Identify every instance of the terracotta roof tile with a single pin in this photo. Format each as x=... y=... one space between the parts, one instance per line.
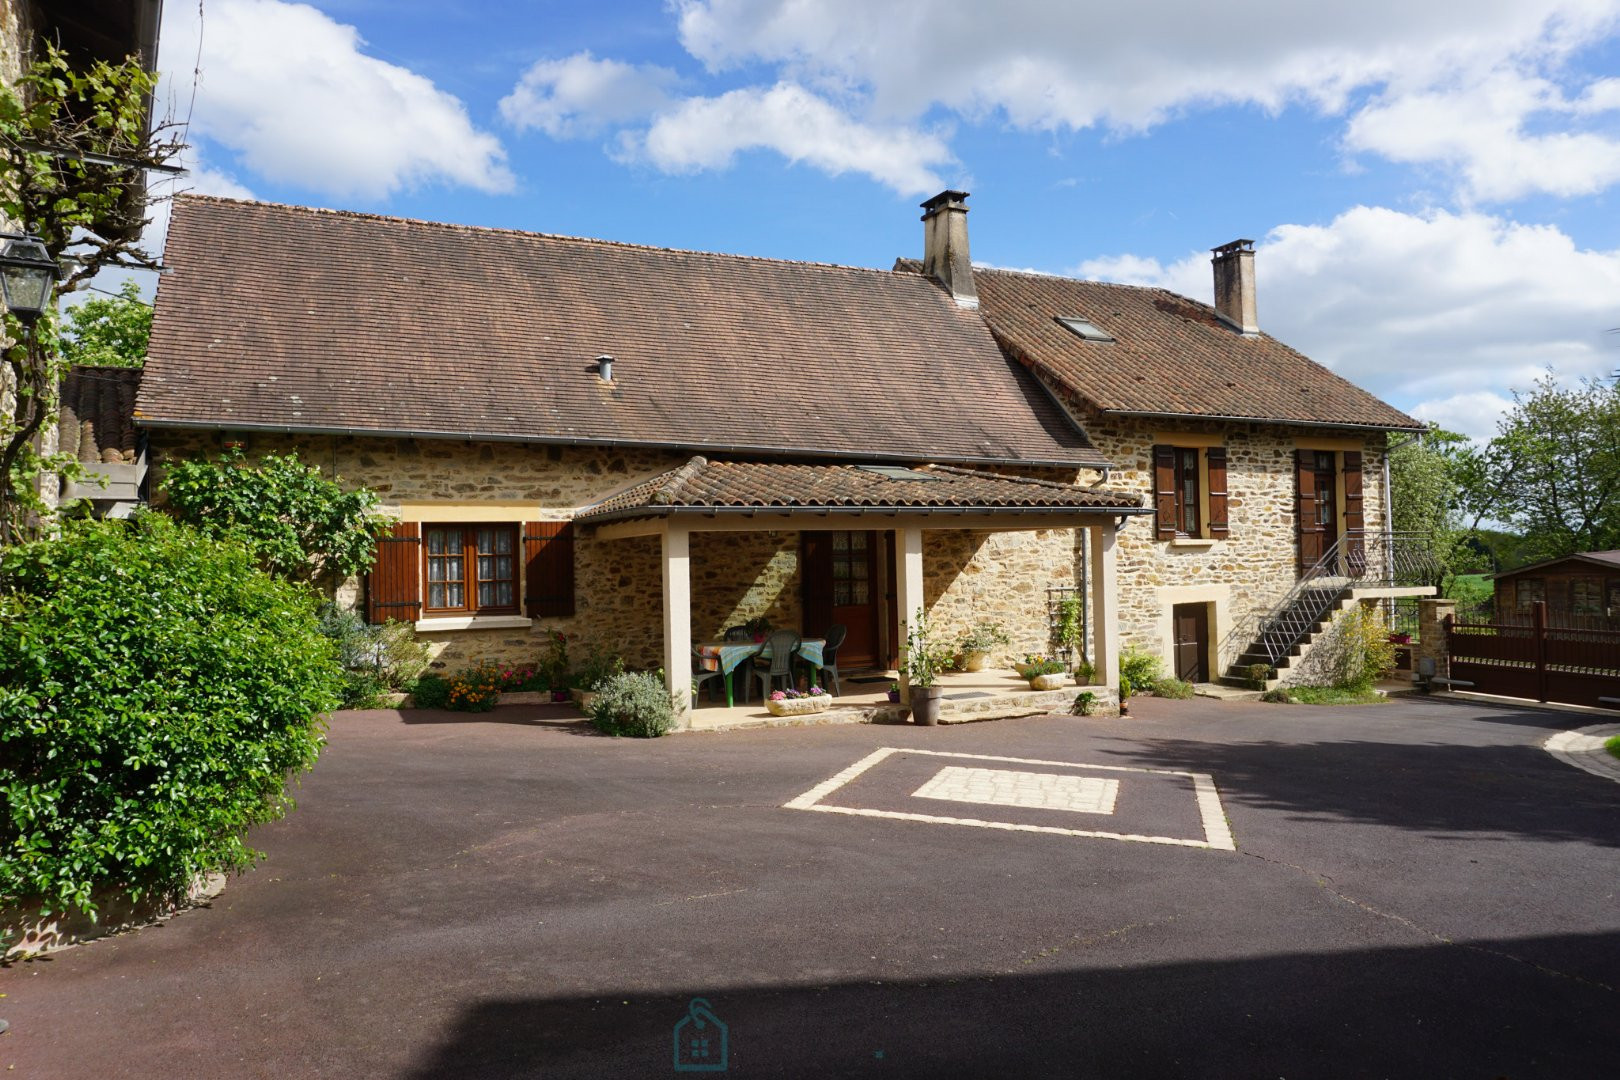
x=95 y=420
x=704 y=485
x=288 y=317
x=1171 y=356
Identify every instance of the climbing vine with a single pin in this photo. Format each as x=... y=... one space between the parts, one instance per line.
x=76 y=143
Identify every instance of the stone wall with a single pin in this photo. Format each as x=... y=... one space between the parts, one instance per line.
x=1257 y=564
x=969 y=576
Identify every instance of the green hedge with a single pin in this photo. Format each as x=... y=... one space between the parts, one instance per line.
x=156 y=691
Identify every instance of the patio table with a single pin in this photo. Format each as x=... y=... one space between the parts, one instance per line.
x=726 y=656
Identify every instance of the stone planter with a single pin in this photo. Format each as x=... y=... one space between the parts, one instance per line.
x=1048 y=682
x=583 y=699
x=974 y=661
x=23 y=930
x=799 y=706
x=925 y=704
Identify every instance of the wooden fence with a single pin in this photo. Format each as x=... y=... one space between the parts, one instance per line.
x=1528 y=658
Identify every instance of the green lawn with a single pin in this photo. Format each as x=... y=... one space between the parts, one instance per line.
x=1613 y=746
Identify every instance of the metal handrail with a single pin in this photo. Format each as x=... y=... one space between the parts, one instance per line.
x=1356 y=560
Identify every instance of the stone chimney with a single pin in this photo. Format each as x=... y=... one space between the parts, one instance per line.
x=1234 y=286
x=945 y=246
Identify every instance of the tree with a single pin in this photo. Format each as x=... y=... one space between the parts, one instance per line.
x=109 y=331
x=1429 y=497
x=74 y=148
x=300 y=525
x=1553 y=469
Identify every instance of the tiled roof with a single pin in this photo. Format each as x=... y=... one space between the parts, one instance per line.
x=1170 y=356
x=96 y=415
x=313 y=320
x=704 y=485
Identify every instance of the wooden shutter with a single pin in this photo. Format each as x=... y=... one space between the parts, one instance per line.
x=1355 y=525
x=1215 y=460
x=1310 y=533
x=1164 y=491
x=548 y=554
x=394 y=586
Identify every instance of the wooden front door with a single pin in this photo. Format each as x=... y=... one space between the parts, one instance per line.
x=1327 y=499
x=839 y=578
x=1190 y=623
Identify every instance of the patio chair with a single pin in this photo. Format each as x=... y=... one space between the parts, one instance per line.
x=701 y=676
x=784 y=644
x=836 y=633
x=738 y=633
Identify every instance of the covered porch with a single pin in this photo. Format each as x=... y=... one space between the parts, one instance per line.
x=901 y=506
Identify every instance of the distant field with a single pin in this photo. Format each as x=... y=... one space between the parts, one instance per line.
x=1471 y=588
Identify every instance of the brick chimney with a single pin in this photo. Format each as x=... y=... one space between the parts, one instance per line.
x=1234 y=286
x=945 y=246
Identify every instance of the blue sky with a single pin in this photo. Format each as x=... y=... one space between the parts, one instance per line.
x=1432 y=185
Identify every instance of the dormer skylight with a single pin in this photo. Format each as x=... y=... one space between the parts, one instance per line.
x=1086 y=329
x=897 y=472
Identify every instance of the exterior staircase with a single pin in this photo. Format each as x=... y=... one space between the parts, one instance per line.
x=1382 y=564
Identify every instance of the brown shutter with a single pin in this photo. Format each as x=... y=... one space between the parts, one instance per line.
x=1164 y=490
x=1310 y=533
x=1215 y=459
x=394 y=586
x=548 y=553
x=1355 y=525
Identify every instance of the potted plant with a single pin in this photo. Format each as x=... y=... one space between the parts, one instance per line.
x=924 y=661
x=798 y=702
x=760 y=627
x=555 y=665
x=1083 y=671
x=1043 y=672
x=977 y=644
x=1124 y=695
x=894 y=693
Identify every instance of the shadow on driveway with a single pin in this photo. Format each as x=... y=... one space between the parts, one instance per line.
x=1428 y=1011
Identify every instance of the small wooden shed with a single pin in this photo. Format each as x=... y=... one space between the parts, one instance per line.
x=1585 y=584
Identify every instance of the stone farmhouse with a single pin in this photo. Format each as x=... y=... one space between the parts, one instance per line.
x=643 y=447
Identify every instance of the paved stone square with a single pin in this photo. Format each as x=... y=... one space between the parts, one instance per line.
x=1038 y=791
x=1414 y=890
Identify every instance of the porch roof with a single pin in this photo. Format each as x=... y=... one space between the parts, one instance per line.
x=703 y=487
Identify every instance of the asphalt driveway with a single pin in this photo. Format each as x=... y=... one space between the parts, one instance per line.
x=1416 y=890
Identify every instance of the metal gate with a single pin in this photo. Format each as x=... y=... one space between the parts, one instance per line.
x=1527 y=658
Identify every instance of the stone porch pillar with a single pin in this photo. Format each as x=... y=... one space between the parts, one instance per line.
x=1104 y=600
x=677 y=547
x=1431 y=644
x=908 y=591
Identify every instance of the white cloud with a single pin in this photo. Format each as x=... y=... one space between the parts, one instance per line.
x=581 y=95
x=1474 y=413
x=707 y=133
x=1480 y=131
x=1440 y=313
x=1055 y=64
x=290 y=92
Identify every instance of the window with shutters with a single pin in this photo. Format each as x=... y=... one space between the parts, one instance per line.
x=470 y=569
x=1190 y=492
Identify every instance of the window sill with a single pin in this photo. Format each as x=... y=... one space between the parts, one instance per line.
x=475 y=622
x=1193 y=542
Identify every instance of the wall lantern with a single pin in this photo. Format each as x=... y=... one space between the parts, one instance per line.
x=27 y=273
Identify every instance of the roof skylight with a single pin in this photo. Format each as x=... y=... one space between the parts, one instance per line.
x=897 y=472
x=1085 y=328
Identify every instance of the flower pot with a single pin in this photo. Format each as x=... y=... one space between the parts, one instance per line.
x=974 y=661
x=799 y=706
x=925 y=704
x=1048 y=682
x=559 y=696
x=894 y=697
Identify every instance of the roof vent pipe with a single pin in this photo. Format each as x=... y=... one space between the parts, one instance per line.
x=604 y=367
